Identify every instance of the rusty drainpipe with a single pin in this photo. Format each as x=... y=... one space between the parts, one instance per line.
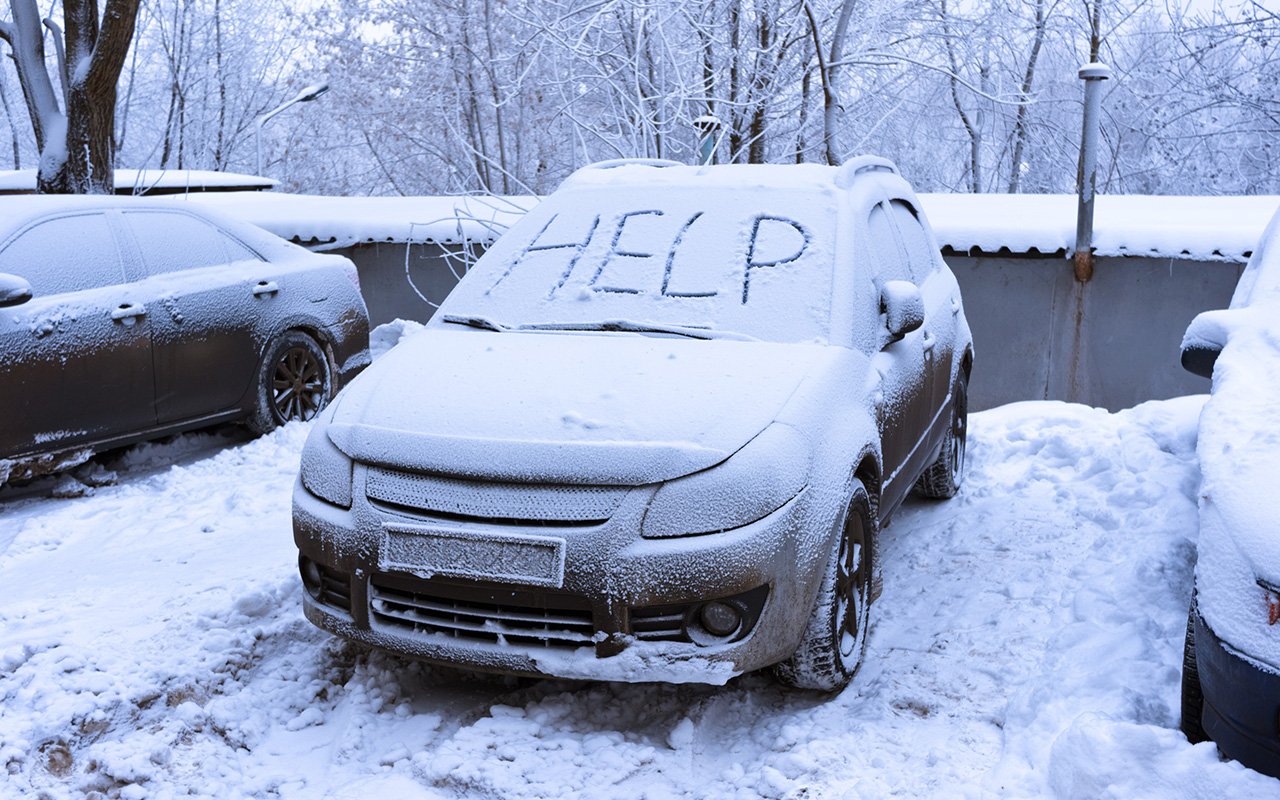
x=1093 y=74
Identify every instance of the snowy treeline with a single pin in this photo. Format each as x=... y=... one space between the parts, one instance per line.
x=433 y=96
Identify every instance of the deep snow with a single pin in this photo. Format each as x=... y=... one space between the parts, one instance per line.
x=1027 y=644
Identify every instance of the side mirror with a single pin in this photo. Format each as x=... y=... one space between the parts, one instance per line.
x=902 y=307
x=14 y=291
x=1205 y=337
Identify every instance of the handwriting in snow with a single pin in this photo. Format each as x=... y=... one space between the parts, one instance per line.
x=752 y=259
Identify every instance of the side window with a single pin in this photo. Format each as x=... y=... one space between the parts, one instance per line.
x=921 y=256
x=65 y=254
x=171 y=241
x=891 y=262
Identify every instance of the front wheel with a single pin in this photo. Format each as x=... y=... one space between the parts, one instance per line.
x=836 y=636
x=294 y=383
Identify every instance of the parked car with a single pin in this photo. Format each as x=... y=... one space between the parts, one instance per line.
x=651 y=435
x=1231 y=665
x=121 y=321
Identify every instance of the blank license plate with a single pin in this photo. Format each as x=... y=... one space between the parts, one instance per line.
x=535 y=560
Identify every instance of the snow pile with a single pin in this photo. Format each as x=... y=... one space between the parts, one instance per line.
x=1027 y=644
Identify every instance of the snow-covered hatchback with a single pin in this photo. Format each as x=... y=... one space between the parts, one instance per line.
x=651 y=435
x=1231 y=666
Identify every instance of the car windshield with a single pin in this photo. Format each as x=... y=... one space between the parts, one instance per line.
x=648 y=259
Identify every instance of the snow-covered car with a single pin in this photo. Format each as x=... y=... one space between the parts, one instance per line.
x=651 y=435
x=1231 y=665
x=125 y=320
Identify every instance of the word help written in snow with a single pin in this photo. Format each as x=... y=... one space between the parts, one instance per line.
x=774 y=241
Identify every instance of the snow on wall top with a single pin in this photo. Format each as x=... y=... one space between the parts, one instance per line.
x=144 y=181
x=1205 y=228
x=333 y=222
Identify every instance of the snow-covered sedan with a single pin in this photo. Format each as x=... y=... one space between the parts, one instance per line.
x=1231 y=667
x=122 y=320
x=651 y=435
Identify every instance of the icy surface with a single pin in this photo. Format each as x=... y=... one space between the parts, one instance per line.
x=1196 y=228
x=1027 y=644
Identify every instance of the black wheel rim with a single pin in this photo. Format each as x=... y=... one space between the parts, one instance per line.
x=851 y=588
x=297 y=388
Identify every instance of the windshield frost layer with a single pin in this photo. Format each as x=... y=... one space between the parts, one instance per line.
x=747 y=262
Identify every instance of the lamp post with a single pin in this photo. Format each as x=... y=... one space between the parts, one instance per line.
x=305 y=96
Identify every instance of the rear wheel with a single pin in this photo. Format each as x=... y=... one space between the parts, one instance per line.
x=294 y=382
x=836 y=635
x=943 y=477
x=1192 y=694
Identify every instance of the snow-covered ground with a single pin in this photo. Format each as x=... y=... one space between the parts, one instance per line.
x=1027 y=644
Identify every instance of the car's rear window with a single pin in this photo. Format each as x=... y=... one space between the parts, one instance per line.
x=751 y=262
x=64 y=254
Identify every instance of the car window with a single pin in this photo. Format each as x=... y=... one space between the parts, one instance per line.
x=65 y=254
x=921 y=257
x=891 y=262
x=171 y=241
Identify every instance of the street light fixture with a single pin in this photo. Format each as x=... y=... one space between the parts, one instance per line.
x=305 y=96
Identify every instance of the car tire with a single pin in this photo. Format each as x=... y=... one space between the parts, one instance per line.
x=1192 y=694
x=943 y=477
x=836 y=635
x=294 y=383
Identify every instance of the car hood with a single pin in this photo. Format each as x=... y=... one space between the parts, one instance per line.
x=611 y=408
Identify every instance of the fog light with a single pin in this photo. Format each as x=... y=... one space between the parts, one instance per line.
x=310 y=575
x=720 y=619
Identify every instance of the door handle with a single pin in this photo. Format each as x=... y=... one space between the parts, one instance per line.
x=955 y=305
x=928 y=341
x=265 y=287
x=128 y=313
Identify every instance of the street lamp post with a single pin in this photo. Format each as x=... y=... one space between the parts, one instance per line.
x=305 y=96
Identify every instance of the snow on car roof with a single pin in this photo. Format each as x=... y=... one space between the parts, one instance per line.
x=1195 y=228
x=151 y=181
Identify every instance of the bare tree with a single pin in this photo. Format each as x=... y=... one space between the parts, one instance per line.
x=76 y=144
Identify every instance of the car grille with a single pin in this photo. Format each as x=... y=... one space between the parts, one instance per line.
x=488 y=615
x=492 y=502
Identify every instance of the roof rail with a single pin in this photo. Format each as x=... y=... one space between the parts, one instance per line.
x=851 y=169
x=626 y=162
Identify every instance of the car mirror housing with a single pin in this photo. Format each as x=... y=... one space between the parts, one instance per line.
x=1205 y=337
x=14 y=291
x=902 y=307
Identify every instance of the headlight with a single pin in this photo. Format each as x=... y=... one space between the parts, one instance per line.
x=326 y=471
x=753 y=483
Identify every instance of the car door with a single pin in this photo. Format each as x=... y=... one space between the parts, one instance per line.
x=905 y=393
x=76 y=365
x=209 y=295
x=941 y=298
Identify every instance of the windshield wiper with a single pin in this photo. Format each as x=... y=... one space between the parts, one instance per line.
x=484 y=323
x=630 y=326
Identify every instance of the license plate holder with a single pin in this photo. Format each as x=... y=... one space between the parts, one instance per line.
x=500 y=557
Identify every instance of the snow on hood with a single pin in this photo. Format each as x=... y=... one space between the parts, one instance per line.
x=613 y=408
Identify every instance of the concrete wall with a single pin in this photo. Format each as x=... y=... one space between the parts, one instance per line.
x=1113 y=342
x=1039 y=335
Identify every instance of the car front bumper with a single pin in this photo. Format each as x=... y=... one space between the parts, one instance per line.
x=627 y=607
x=1241 y=702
